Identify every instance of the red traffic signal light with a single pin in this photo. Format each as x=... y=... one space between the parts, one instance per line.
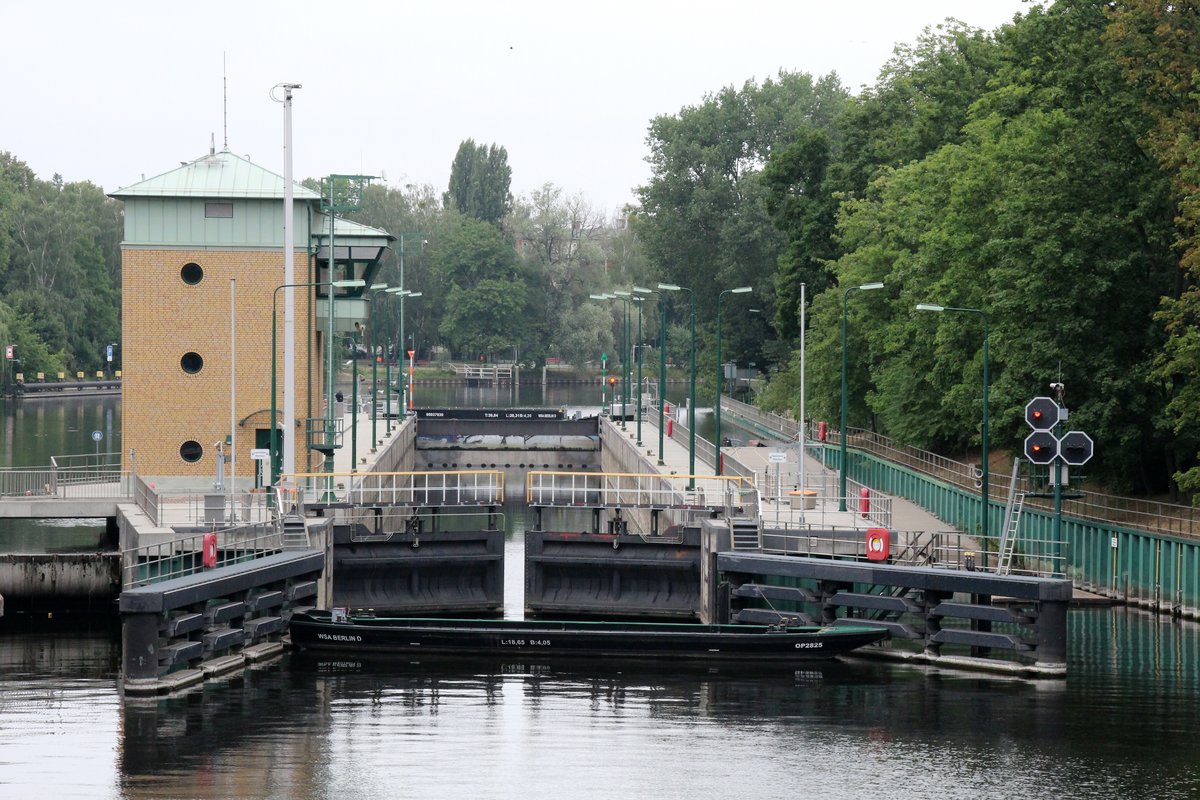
x=612 y=381
x=1042 y=413
x=1041 y=447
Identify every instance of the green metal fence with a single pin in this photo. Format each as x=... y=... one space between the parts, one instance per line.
x=1161 y=570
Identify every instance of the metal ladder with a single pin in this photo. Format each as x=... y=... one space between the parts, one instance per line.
x=1012 y=523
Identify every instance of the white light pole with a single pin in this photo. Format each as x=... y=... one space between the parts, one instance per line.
x=289 y=294
x=232 y=395
x=801 y=436
x=406 y=395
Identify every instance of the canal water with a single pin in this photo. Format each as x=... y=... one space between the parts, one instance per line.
x=1125 y=723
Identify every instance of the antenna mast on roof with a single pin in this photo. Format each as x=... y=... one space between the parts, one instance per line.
x=225 y=99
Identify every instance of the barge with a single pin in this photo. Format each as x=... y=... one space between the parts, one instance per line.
x=339 y=631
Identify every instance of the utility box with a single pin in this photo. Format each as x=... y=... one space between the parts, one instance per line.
x=214 y=509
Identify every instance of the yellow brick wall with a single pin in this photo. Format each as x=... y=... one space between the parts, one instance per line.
x=163 y=318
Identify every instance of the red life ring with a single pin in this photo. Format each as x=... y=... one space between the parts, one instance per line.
x=879 y=544
x=208 y=551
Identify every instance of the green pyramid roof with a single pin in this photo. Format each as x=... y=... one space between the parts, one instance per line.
x=218 y=175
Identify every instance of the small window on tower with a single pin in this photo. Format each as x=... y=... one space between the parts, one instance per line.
x=191 y=273
x=219 y=210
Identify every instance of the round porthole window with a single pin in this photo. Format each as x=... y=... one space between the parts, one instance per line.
x=191 y=451
x=192 y=273
x=191 y=363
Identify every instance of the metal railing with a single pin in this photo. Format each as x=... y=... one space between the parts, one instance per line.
x=637 y=490
x=787 y=428
x=794 y=512
x=369 y=526
x=428 y=488
x=1140 y=514
x=316 y=431
x=84 y=476
x=951 y=550
x=679 y=432
x=1146 y=515
x=185 y=555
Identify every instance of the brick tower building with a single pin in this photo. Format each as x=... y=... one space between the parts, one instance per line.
x=202 y=266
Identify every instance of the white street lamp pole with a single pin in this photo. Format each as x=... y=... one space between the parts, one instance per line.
x=289 y=294
x=232 y=395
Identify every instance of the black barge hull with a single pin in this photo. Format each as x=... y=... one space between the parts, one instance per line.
x=319 y=630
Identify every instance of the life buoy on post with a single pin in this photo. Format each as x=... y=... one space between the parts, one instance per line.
x=864 y=501
x=208 y=551
x=670 y=427
x=879 y=544
x=822 y=431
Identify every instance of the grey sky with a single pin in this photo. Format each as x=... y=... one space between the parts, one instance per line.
x=109 y=92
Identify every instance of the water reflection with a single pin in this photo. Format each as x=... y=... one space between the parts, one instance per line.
x=1124 y=724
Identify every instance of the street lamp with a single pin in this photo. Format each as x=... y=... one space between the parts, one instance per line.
x=405 y=293
x=626 y=298
x=354 y=394
x=720 y=368
x=351 y=284
x=637 y=356
x=604 y=363
x=845 y=300
x=375 y=287
x=984 y=488
x=670 y=287
x=406 y=397
x=662 y=367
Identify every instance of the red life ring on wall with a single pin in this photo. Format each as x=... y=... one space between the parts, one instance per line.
x=208 y=551
x=879 y=544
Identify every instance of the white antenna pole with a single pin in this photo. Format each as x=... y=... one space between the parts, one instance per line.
x=225 y=99
x=800 y=437
x=289 y=292
x=232 y=395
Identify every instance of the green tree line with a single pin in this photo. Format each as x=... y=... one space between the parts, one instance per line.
x=1043 y=174
x=59 y=271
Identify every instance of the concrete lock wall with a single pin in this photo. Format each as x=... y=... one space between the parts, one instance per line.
x=69 y=581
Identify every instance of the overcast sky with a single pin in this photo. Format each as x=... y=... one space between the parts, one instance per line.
x=112 y=92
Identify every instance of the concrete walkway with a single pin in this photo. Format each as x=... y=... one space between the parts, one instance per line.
x=780 y=479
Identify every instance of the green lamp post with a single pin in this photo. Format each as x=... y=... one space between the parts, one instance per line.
x=720 y=368
x=625 y=298
x=671 y=287
x=351 y=284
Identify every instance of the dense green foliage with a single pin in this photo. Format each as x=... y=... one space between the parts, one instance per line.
x=59 y=271
x=479 y=182
x=1029 y=176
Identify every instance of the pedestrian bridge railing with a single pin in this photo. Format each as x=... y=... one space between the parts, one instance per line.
x=952 y=550
x=640 y=490
x=72 y=477
x=429 y=488
x=190 y=555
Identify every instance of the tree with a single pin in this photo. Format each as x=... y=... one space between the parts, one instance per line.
x=479 y=182
x=485 y=318
x=60 y=270
x=1157 y=46
x=804 y=208
x=703 y=220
